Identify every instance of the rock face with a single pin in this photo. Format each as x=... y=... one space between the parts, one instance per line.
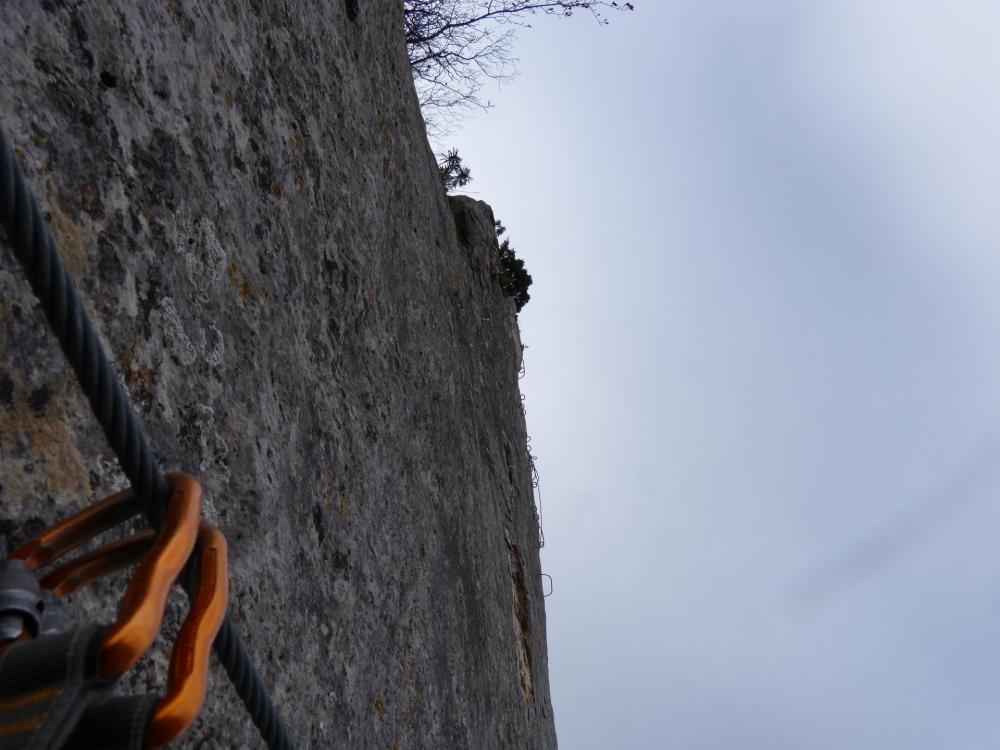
x=245 y=195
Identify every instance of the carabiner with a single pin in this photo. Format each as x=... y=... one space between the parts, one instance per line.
x=141 y=612
x=160 y=557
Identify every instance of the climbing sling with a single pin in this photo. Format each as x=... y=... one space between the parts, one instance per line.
x=56 y=681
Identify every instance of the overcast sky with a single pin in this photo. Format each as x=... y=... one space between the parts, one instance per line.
x=763 y=375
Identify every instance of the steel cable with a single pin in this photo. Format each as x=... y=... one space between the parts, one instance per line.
x=29 y=235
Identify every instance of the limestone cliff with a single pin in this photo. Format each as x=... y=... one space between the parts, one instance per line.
x=245 y=194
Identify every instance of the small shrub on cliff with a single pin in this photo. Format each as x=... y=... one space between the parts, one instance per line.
x=454 y=174
x=514 y=279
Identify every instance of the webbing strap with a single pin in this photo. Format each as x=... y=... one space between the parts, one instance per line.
x=43 y=688
x=52 y=697
x=120 y=722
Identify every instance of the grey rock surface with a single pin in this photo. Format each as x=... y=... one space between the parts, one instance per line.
x=246 y=197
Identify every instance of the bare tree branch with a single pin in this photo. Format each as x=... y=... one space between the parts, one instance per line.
x=455 y=45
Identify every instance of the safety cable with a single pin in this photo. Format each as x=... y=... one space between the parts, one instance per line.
x=29 y=235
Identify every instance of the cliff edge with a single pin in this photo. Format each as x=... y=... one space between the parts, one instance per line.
x=247 y=200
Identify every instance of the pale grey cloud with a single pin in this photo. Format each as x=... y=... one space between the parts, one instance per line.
x=763 y=338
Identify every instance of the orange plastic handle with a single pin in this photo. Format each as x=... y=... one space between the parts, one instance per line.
x=97 y=564
x=67 y=535
x=163 y=557
x=187 y=681
x=141 y=611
